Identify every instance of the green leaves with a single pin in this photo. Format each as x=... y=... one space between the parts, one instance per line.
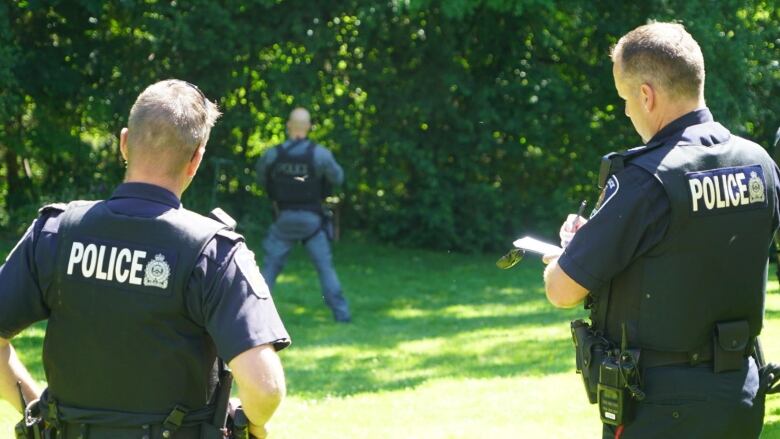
x=460 y=124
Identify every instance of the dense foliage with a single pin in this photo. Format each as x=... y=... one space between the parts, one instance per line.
x=460 y=123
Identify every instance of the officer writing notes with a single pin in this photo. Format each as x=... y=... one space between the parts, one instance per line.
x=673 y=261
x=142 y=297
x=297 y=175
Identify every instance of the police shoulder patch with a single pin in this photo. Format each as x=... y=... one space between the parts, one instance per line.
x=611 y=188
x=245 y=260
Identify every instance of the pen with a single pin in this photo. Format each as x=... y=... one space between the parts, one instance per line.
x=582 y=208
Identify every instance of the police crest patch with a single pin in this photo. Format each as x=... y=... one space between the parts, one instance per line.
x=756 y=186
x=157 y=272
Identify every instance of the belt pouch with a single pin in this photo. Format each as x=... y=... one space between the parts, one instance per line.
x=730 y=345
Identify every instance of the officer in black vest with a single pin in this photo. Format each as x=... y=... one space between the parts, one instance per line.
x=143 y=296
x=297 y=176
x=673 y=261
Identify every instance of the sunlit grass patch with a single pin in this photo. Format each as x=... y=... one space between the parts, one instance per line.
x=442 y=346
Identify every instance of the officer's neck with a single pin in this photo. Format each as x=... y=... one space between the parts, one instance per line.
x=673 y=111
x=177 y=187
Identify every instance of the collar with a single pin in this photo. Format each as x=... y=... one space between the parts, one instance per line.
x=679 y=125
x=146 y=191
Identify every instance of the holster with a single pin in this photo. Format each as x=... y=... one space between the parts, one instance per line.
x=238 y=425
x=590 y=351
x=730 y=343
x=32 y=425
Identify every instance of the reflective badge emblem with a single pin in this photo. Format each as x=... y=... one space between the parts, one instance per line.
x=157 y=272
x=756 y=186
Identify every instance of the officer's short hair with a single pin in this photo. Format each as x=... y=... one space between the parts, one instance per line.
x=663 y=55
x=171 y=118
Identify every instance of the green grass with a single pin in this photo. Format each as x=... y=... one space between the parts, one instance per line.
x=442 y=346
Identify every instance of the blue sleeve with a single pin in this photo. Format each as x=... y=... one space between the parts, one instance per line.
x=234 y=304
x=24 y=277
x=328 y=166
x=631 y=218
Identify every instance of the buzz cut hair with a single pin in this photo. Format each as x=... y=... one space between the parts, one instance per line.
x=663 y=55
x=169 y=120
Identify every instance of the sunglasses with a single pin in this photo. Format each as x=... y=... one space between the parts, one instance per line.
x=202 y=96
x=509 y=260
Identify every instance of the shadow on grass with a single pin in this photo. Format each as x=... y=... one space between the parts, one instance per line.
x=419 y=316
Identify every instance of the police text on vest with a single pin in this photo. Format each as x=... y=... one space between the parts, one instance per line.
x=724 y=188
x=107 y=263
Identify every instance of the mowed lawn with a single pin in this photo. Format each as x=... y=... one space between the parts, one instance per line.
x=442 y=345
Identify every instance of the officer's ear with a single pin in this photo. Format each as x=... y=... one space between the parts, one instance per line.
x=123 y=143
x=197 y=158
x=647 y=97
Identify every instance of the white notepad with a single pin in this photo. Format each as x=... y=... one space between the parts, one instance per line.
x=530 y=244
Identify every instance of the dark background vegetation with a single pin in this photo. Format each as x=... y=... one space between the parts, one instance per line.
x=460 y=123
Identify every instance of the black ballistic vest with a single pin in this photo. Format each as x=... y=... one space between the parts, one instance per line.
x=712 y=264
x=119 y=336
x=293 y=182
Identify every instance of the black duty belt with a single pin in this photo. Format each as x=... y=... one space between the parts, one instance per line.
x=652 y=358
x=83 y=431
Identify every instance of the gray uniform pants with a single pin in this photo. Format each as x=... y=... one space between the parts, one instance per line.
x=294 y=226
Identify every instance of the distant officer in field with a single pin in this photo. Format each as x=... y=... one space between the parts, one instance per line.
x=673 y=261
x=298 y=175
x=142 y=296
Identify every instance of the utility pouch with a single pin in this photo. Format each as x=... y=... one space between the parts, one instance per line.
x=590 y=350
x=730 y=344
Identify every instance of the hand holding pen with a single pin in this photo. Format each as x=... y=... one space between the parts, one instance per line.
x=572 y=224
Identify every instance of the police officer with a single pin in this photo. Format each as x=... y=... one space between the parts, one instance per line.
x=142 y=296
x=297 y=175
x=672 y=263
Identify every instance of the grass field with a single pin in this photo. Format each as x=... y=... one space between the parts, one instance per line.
x=442 y=346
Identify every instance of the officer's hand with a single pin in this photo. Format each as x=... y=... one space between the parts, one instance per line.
x=569 y=228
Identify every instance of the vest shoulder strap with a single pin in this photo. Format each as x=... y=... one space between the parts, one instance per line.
x=53 y=207
x=614 y=162
x=62 y=207
x=221 y=216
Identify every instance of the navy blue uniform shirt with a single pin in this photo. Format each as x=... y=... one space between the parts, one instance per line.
x=220 y=296
x=633 y=215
